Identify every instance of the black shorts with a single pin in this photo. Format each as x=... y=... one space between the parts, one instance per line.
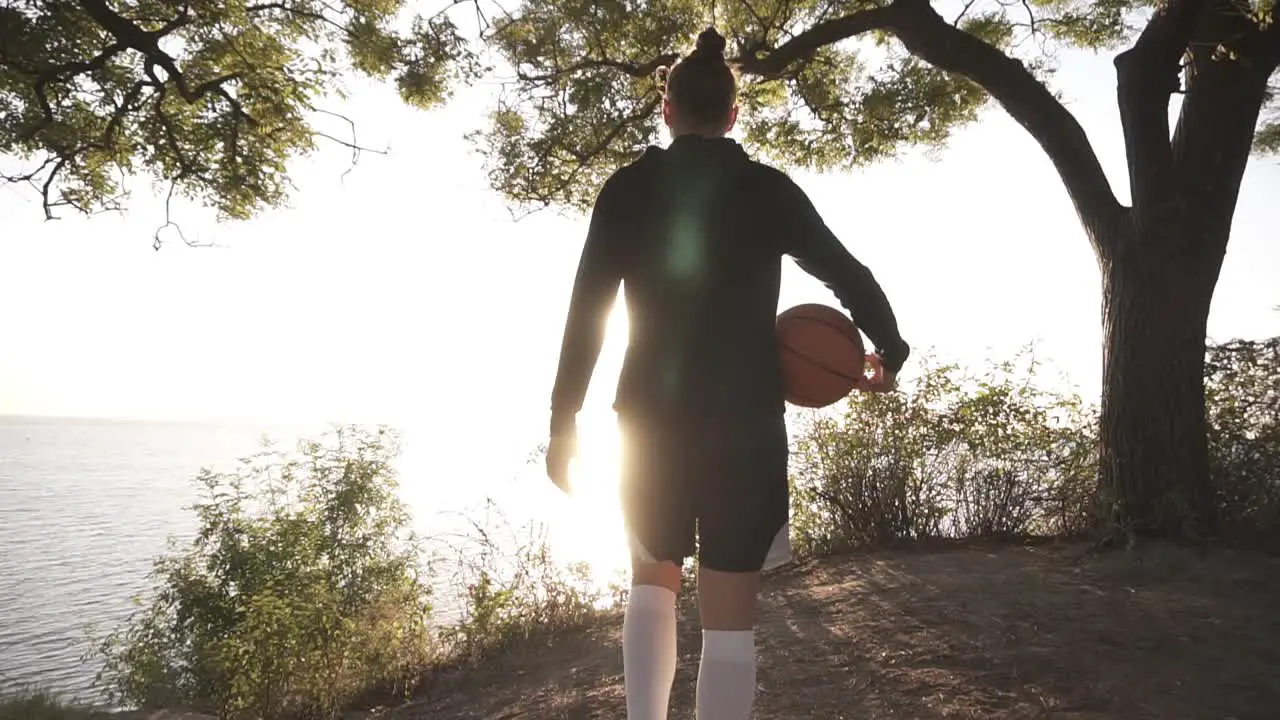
x=725 y=483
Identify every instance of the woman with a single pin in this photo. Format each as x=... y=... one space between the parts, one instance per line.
x=696 y=233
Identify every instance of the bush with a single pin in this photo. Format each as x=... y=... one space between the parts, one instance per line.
x=1242 y=392
x=997 y=455
x=954 y=455
x=301 y=590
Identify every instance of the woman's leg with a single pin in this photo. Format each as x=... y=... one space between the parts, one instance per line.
x=661 y=525
x=649 y=639
x=727 y=603
x=742 y=513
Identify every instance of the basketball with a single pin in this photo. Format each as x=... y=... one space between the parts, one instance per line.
x=821 y=353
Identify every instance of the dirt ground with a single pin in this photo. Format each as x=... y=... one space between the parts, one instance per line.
x=1046 y=631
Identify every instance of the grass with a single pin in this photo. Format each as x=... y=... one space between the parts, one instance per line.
x=39 y=705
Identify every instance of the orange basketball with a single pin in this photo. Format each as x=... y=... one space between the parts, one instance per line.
x=822 y=354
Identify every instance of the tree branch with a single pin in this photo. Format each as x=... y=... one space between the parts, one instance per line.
x=1167 y=33
x=584 y=157
x=60 y=73
x=929 y=37
x=1219 y=116
x=131 y=35
x=1147 y=75
x=300 y=12
x=1213 y=141
x=805 y=44
x=1263 y=45
x=352 y=144
x=634 y=70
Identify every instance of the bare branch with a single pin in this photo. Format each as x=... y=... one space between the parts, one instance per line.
x=300 y=12
x=633 y=69
x=963 y=11
x=29 y=177
x=353 y=144
x=48 y=183
x=169 y=222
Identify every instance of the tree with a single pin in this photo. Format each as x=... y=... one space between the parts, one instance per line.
x=583 y=97
x=211 y=97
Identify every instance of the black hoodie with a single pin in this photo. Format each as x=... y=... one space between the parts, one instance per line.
x=695 y=234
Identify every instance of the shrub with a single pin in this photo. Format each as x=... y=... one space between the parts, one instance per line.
x=1242 y=392
x=301 y=590
x=864 y=475
x=954 y=455
x=513 y=590
x=1022 y=458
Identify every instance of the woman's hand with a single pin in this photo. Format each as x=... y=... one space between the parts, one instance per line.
x=560 y=452
x=880 y=380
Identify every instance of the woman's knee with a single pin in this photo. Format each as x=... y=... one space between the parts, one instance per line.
x=663 y=574
x=728 y=600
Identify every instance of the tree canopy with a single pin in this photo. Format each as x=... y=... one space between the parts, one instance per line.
x=213 y=98
x=825 y=85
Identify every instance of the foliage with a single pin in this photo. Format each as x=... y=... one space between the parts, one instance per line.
x=956 y=455
x=513 y=590
x=210 y=97
x=213 y=98
x=1243 y=403
x=996 y=455
x=825 y=85
x=302 y=589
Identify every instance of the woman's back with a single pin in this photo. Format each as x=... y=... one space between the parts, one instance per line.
x=700 y=264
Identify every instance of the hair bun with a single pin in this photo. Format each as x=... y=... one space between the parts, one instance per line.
x=710 y=43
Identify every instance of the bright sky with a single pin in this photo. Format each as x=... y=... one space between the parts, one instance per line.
x=405 y=293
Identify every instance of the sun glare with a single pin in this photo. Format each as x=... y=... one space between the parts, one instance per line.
x=594 y=532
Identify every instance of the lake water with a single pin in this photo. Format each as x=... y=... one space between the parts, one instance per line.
x=85 y=505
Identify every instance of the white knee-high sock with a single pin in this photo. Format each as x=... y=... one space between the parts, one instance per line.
x=727 y=675
x=649 y=651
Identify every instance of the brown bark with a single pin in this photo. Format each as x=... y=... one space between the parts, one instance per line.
x=1153 y=461
x=1160 y=266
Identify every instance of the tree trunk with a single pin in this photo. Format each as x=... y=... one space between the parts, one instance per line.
x=1154 y=466
x=1160 y=262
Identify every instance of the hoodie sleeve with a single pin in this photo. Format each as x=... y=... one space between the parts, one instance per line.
x=595 y=290
x=817 y=251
